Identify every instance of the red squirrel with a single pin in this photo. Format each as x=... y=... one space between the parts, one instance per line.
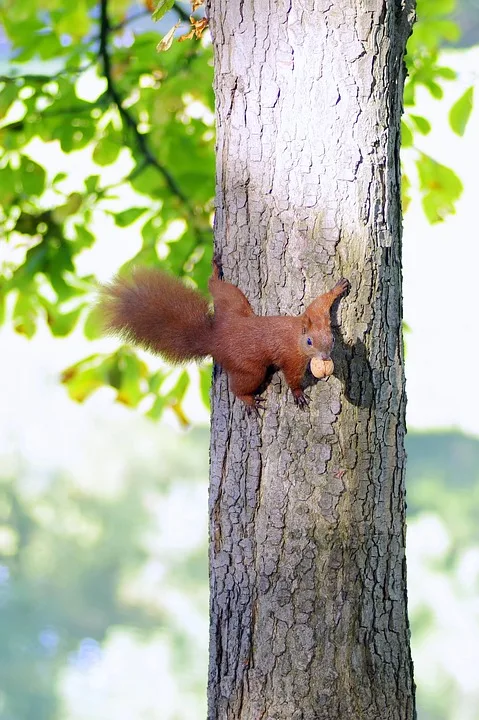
x=157 y=312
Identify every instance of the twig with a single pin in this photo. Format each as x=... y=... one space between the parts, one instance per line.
x=182 y=14
x=129 y=20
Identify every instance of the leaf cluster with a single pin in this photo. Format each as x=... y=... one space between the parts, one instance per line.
x=150 y=116
x=439 y=185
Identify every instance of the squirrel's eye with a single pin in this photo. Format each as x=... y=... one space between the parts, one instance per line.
x=309 y=341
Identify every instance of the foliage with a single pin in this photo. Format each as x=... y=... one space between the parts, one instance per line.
x=157 y=106
x=439 y=186
x=86 y=77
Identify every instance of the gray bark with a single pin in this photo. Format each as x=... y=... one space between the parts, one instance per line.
x=307 y=565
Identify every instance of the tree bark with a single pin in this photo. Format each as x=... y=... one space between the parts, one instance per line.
x=307 y=564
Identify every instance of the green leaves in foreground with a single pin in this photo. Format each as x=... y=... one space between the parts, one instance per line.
x=122 y=371
x=440 y=188
x=439 y=185
x=460 y=112
x=162 y=8
x=133 y=382
x=130 y=134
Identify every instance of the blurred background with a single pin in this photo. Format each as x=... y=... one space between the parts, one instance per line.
x=103 y=451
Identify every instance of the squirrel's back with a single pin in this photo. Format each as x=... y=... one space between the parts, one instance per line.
x=159 y=313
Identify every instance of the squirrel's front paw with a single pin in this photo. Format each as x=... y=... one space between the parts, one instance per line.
x=342 y=286
x=300 y=399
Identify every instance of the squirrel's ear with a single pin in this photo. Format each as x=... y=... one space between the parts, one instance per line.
x=306 y=324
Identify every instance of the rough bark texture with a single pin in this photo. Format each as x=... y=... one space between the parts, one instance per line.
x=308 y=586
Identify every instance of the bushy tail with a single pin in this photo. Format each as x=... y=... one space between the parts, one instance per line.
x=157 y=312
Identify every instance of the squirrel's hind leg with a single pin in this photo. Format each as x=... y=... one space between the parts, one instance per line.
x=254 y=403
x=247 y=388
x=227 y=298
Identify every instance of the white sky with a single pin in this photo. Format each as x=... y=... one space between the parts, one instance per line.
x=441 y=263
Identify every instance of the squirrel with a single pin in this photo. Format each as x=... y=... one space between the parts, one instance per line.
x=159 y=313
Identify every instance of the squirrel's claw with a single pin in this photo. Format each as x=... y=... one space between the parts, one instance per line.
x=300 y=399
x=257 y=404
x=342 y=287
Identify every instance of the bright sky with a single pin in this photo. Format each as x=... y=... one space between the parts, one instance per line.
x=440 y=267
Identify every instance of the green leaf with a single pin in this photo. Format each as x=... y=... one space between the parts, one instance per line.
x=440 y=186
x=409 y=92
x=24 y=316
x=205 y=383
x=460 y=112
x=448 y=30
x=405 y=192
x=150 y=231
x=63 y=290
x=446 y=73
x=93 y=326
x=59 y=177
x=162 y=8
x=435 y=89
x=149 y=183
x=61 y=324
x=123 y=371
x=156 y=410
x=106 y=151
x=8 y=178
x=132 y=372
x=406 y=135
x=127 y=217
x=75 y=21
x=426 y=8
x=8 y=95
x=177 y=392
x=422 y=125
x=72 y=205
x=48 y=46
x=84 y=238
x=91 y=183
x=155 y=381
x=2 y=307
x=32 y=176
x=81 y=383
x=36 y=259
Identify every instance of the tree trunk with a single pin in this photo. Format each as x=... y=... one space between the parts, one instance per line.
x=307 y=564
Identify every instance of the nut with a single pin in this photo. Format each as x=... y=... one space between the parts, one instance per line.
x=321 y=368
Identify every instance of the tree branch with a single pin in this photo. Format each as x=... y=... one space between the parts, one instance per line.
x=129 y=20
x=182 y=14
x=128 y=119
